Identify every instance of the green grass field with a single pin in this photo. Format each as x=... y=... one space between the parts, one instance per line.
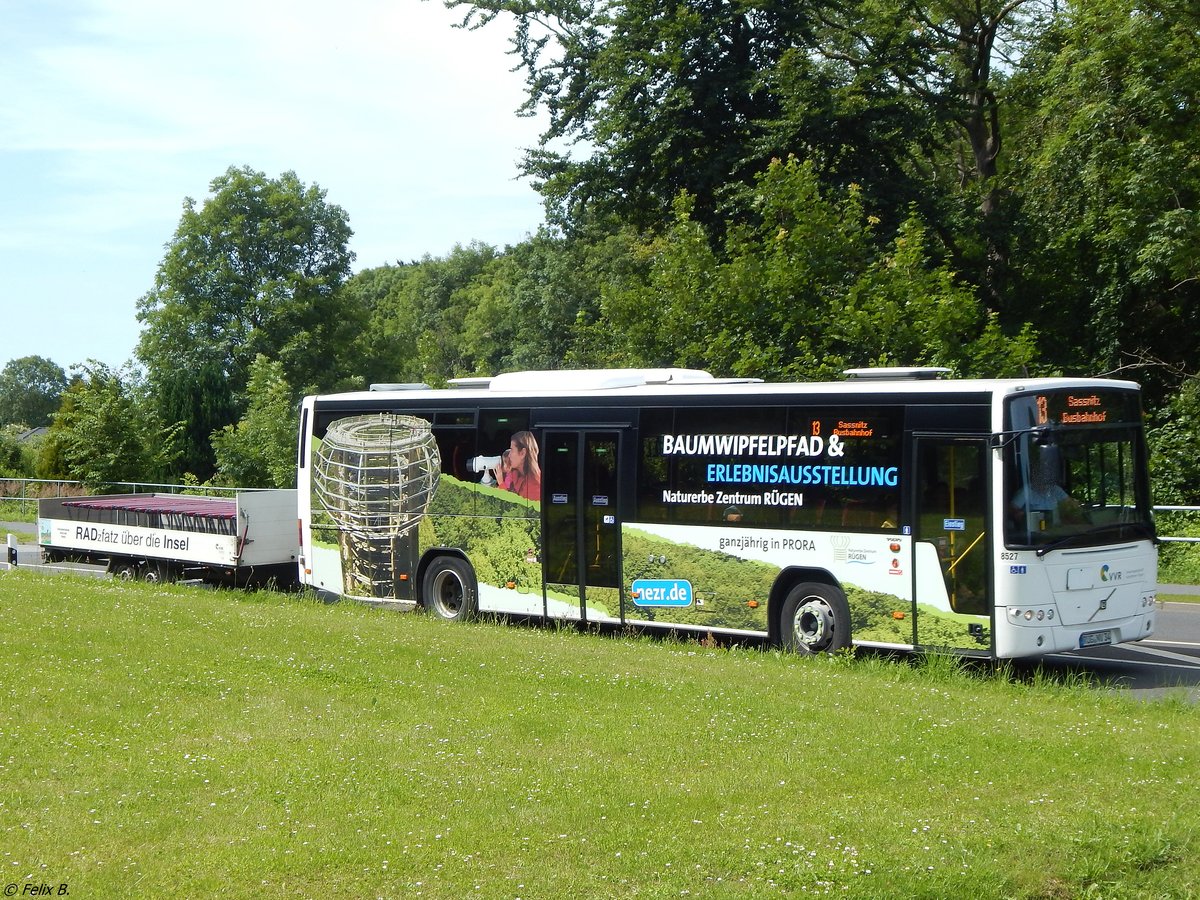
x=1179 y=598
x=175 y=741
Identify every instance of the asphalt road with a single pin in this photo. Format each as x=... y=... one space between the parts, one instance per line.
x=1165 y=664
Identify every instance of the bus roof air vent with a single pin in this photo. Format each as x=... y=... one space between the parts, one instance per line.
x=898 y=373
x=595 y=379
x=400 y=386
x=473 y=382
x=676 y=376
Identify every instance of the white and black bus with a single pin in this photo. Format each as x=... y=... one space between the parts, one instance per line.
x=896 y=509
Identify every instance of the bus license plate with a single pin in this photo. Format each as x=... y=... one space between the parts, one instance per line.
x=1095 y=638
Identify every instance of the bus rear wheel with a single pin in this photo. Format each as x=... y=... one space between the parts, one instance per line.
x=448 y=589
x=815 y=619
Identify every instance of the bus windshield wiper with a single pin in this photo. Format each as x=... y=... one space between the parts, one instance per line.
x=1141 y=529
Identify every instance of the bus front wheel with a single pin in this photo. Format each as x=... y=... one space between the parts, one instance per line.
x=448 y=589
x=815 y=619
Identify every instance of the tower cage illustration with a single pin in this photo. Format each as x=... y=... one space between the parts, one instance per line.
x=375 y=476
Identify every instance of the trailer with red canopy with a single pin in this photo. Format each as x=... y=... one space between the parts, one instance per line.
x=249 y=538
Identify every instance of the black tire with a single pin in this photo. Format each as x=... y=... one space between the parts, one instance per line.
x=124 y=570
x=449 y=590
x=158 y=573
x=815 y=619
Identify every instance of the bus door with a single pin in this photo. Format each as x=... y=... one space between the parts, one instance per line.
x=951 y=583
x=580 y=526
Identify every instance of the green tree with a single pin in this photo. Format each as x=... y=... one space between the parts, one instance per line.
x=1110 y=158
x=13 y=462
x=479 y=311
x=385 y=350
x=425 y=309
x=529 y=308
x=805 y=293
x=951 y=57
x=646 y=99
x=30 y=390
x=260 y=450
x=198 y=398
x=108 y=430
x=907 y=100
x=1174 y=462
x=257 y=268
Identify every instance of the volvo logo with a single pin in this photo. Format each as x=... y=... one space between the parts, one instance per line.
x=1103 y=604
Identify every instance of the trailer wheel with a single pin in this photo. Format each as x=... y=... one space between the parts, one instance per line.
x=448 y=589
x=125 y=570
x=815 y=619
x=158 y=573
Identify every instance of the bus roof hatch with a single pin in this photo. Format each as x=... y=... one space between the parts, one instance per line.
x=595 y=379
x=898 y=373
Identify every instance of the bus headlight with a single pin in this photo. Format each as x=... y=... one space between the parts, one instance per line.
x=1042 y=615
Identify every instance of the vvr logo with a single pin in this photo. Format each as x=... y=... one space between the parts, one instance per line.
x=1107 y=574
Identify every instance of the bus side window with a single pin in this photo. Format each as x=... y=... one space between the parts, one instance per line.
x=457 y=446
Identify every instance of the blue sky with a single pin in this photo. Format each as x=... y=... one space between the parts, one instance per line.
x=114 y=111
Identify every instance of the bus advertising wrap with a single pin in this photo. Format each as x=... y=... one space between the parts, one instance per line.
x=787 y=477
x=156 y=543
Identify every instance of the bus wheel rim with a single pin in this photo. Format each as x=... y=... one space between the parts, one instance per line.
x=448 y=594
x=813 y=623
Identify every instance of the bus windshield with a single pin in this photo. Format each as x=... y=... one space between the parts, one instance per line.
x=1073 y=473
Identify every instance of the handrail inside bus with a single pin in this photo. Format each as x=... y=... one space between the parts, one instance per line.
x=963 y=555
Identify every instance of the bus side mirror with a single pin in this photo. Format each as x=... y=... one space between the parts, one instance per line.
x=1043 y=436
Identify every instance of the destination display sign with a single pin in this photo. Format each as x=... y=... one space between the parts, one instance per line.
x=1072 y=408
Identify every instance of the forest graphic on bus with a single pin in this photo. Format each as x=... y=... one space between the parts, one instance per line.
x=719 y=517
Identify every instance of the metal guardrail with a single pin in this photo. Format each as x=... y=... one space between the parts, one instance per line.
x=1178 y=540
